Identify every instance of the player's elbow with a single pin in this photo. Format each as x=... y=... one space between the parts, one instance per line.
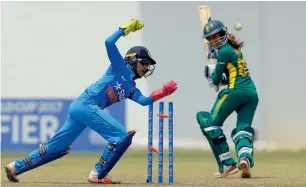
x=145 y=101
x=216 y=81
x=108 y=42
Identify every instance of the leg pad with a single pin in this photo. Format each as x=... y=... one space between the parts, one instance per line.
x=44 y=158
x=116 y=152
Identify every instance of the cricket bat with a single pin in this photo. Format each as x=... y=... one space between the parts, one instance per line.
x=205 y=17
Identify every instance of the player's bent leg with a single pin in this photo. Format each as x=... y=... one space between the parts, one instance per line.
x=116 y=151
x=33 y=160
x=219 y=146
x=109 y=160
x=57 y=147
x=243 y=139
x=113 y=132
x=202 y=118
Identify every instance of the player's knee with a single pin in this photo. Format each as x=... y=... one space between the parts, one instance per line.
x=203 y=119
x=120 y=135
x=74 y=107
x=123 y=134
x=214 y=133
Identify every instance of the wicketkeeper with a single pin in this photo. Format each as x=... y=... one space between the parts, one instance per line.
x=117 y=84
x=239 y=96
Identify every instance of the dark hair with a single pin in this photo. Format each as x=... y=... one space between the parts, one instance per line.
x=234 y=42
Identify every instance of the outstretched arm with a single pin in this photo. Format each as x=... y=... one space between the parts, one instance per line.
x=140 y=99
x=164 y=91
x=158 y=94
x=112 y=51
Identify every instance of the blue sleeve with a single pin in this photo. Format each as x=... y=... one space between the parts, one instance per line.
x=140 y=99
x=112 y=51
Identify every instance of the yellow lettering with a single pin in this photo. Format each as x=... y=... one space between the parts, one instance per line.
x=232 y=74
x=242 y=67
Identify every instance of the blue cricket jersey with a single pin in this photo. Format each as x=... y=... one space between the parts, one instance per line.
x=117 y=83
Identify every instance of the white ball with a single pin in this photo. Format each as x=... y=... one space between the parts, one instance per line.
x=238 y=27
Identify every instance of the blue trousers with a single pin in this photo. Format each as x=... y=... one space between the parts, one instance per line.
x=81 y=115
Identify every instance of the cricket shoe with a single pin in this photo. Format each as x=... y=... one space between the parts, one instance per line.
x=244 y=165
x=10 y=172
x=227 y=170
x=217 y=174
x=93 y=178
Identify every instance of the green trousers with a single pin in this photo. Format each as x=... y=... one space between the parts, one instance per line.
x=244 y=102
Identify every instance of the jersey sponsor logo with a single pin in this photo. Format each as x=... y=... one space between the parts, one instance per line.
x=120 y=91
x=111 y=94
x=116 y=92
x=121 y=94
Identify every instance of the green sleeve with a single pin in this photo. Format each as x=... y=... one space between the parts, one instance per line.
x=222 y=60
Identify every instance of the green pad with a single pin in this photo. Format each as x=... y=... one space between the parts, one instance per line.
x=243 y=140
x=216 y=139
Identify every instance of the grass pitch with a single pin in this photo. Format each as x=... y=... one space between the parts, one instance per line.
x=192 y=168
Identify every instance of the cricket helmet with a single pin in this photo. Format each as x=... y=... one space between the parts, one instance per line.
x=140 y=54
x=213 y=27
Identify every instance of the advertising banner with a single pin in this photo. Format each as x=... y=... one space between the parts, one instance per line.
x=25 y=123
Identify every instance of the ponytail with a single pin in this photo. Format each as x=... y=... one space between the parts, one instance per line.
x=234 y=42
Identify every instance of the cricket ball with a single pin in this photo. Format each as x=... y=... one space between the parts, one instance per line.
x=238 y=27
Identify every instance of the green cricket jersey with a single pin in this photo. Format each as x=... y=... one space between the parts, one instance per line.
x=231 y=62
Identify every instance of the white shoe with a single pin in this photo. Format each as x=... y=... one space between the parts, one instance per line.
x=244 y=165
x=227 y=170
x=93 y=178
x=217 y=174
x=10 y=172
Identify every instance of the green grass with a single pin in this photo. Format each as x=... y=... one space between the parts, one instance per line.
x=192 y=168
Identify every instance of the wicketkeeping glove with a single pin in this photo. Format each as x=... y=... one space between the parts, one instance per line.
x=131 y=26
x=164 y=91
